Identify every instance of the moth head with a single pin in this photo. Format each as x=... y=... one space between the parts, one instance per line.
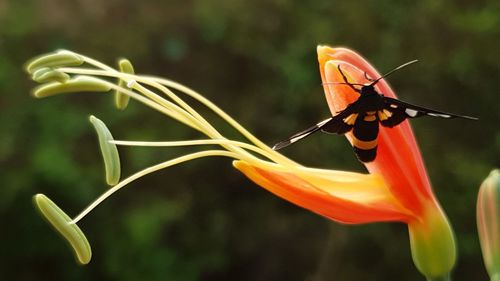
x=368 y=89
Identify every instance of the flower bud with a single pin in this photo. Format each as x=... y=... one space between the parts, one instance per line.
x=488 y=223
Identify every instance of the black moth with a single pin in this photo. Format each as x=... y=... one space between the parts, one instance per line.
x=364 y=115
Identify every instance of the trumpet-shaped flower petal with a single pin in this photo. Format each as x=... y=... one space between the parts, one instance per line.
x=341 y=196
x=398 y=161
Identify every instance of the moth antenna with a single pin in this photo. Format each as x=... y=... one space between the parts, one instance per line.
x=392 y=71
x=342 y=83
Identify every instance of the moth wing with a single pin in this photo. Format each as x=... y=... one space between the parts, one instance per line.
x=400 y=111
x=342 y=122
x=300 y=135
x=333 y=125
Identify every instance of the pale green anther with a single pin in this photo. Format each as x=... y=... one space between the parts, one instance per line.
x=58 y=59
x=108 y=150
x=47 y=74
x=121 y=100
x=61 y=222
x=78 y=84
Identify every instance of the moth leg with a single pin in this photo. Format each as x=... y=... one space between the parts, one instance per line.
x=345 y=79
x=368 y=78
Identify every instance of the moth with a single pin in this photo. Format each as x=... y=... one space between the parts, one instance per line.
x=363 y=117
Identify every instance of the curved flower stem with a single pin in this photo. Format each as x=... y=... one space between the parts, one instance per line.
x=149 y=170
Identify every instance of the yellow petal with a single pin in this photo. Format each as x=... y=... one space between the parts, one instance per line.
x=60 y=221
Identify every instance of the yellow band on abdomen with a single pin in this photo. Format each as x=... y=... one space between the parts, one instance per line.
x=365 y=145
x=370 y=118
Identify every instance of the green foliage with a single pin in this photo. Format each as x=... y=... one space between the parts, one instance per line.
x=257 y=60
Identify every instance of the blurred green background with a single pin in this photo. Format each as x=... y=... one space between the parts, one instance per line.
x=256 y=59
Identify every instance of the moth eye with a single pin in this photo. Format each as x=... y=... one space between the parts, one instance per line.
x=411 y=112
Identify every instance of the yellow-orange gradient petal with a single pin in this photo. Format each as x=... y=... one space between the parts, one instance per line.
x=349 y=198
x=398 y=157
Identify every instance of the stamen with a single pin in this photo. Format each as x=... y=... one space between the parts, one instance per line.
x=47 y=74
x=78 y=84
x=193 y=142
x=188 y=91
x=142 y=89
x=154 y=81
x=61 y=58
x=61 y=223
x=108 y=150
x=176 y=112
x=121 y=100
x=149 y=170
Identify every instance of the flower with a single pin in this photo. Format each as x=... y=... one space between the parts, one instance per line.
x=398 y=162
x=488 y=223
x=396 y=190
x=342 y=196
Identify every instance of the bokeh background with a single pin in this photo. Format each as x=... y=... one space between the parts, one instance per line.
x=256 y=59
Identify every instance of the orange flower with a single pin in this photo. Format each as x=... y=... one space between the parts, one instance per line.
x=344 y=197
x=398 y=162
x=398 y=188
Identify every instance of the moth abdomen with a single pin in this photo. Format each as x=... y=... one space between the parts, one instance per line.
x=365 y=155
x=364 y=139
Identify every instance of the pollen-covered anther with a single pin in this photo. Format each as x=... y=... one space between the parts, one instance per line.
x=108 y=150
x=62 y=224
x=47 y=74
x=57 y=59
x=78 y=84
x=121 y=100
